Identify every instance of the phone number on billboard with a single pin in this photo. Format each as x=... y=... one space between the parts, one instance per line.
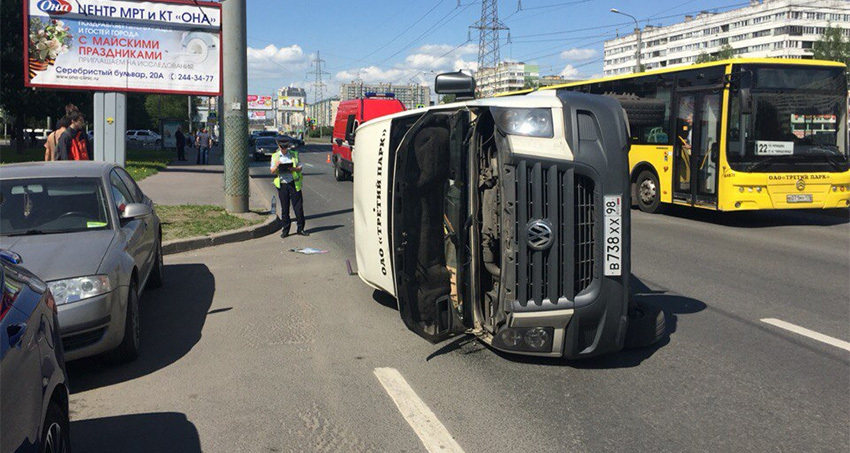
x=192 y=77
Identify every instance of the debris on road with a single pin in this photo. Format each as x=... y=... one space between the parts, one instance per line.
x=308 y=250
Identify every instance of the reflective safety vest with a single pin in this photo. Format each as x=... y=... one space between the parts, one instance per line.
x=296 y=175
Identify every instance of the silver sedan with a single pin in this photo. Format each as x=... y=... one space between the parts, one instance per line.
x=88 y=231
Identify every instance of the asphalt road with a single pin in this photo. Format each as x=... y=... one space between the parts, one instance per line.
x=250 y=347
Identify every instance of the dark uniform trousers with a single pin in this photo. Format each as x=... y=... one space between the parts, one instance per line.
x=287 y=194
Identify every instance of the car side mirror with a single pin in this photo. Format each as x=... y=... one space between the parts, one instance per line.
x=349 y=137
x=457 y=83
x=136 y=211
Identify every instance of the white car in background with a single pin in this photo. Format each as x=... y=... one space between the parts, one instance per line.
x=144 y=137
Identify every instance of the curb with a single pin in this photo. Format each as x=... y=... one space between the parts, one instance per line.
x=271 y=225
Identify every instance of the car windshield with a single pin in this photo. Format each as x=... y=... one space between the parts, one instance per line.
x=798 y=122
x=266 y=142
x=52 y=205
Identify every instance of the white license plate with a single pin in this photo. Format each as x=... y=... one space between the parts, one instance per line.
x=613 y=236
x=798 y=198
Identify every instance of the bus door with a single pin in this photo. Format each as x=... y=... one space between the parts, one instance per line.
x=696 y=147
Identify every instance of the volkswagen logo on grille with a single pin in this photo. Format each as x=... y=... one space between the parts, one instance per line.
x=540 y=235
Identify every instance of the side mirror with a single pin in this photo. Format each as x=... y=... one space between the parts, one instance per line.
x=745 y=96
x=136 y=211
x=457 y=83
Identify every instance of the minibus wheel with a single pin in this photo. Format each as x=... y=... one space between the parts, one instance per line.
x=647 y=325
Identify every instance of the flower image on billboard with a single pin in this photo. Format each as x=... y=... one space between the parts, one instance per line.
x=123 y=45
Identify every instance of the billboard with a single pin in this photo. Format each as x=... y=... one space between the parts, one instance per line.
x=290 y=103
x=257 y=115
x=259 y=102
x=122 y=45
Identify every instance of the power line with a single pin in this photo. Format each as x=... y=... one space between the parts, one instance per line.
x=404 y=31
x=319 y=84
x=488 y=27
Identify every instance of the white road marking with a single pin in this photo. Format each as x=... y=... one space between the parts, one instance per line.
x=431 y=432
x=808 y=333
x=308 y=165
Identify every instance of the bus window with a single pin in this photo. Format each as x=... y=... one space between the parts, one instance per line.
x=649 y=114
x=709 y=143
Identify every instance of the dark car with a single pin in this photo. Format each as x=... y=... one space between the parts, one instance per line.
x=34 y=392
x=294 y=140
x=263 y=148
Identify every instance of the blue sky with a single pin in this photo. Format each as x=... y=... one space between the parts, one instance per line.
x=405 y=41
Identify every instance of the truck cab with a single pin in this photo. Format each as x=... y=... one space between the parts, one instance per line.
x=505 y=218
x=349 y=116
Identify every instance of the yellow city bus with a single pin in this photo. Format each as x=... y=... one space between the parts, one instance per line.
x=739 y=134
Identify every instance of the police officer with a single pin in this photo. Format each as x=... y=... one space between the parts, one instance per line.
x=287 y=170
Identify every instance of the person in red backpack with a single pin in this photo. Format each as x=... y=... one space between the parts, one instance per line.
x=73 y=144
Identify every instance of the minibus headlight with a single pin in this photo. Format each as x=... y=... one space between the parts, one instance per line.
x=528 y=339
x=527 y=122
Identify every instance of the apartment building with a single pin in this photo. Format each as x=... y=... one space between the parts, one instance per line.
x=411 y=95
x=507 y=76
x=324 y=111
x=764 y=29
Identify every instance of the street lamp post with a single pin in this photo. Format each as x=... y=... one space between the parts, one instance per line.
x=637 y=32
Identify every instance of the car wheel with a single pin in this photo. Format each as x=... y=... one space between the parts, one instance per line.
x=157 y=277
x=55 y=436
x=339 y=174
x=158 y=143
x=647 y=192
x=128 y=350
x=647 y=325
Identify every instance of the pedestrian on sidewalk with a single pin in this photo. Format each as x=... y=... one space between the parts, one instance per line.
x=181 y=144
x=286 y=167
x=52 y=143
x=204 y=143
x=73 y=144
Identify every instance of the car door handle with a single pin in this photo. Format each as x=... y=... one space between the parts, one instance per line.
x=16 y=334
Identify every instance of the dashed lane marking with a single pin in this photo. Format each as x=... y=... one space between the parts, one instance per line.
x=425 y=424
x=808 y=333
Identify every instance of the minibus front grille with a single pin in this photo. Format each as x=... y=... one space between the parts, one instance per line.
x=584 y=235
x=563 y=200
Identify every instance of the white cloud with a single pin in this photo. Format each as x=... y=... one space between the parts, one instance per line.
x=270 y=61
x=569 y=71
x=576 y=54
x=420 y=66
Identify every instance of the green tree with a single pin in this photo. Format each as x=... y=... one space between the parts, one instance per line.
x=159 y=106
x=530 y=83
x=447 y=98
x=832 y=46
x=726 y=52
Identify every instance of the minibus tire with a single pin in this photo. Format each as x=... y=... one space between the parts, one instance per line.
x=647 y=325
x=648 y=177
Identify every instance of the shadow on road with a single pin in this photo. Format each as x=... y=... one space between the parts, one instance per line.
x=160 y=431
x=172 y=318
x=328 y=214
x=323 y=228
x=670 y=303
x=385 y=299
x=762 y=219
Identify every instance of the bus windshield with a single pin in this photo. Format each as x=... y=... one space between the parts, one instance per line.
x=798 y=121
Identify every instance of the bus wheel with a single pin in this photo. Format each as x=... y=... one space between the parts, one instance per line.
x=647 y=191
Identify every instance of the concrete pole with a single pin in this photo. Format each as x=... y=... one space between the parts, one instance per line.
x=234 y=122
